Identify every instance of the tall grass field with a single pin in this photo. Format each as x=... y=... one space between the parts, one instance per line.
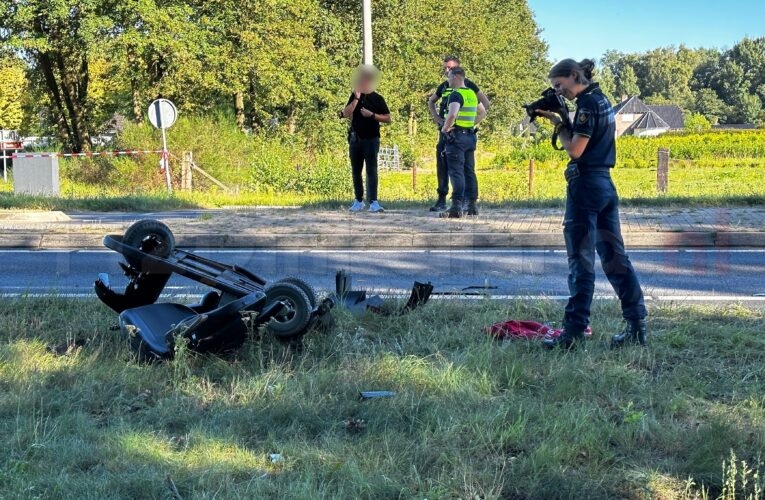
x=471 y=418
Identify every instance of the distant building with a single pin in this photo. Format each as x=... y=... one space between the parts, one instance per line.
x=633 y=117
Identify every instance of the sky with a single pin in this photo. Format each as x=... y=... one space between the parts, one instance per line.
x=590 y=27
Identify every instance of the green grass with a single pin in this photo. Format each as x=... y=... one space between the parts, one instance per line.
x=472 y=418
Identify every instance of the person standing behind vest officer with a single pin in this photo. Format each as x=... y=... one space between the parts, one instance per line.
x=465 y=113
x=367 y=110
x=591 y=223
x=439 y=115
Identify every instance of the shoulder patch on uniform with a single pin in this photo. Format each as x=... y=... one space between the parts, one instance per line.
x=584 y=115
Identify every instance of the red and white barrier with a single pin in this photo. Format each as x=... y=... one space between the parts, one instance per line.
x=90 y=154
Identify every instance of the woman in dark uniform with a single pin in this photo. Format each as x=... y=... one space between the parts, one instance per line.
x=591 y=223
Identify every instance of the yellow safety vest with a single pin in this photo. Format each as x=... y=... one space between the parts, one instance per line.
x=469 y=110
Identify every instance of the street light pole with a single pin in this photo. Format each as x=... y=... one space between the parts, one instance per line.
x=366 y=14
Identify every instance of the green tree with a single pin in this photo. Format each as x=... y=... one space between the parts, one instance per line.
x=709 y=105
x=13 y=86
x=56 y=36
x=626 y=82
x=697 y=122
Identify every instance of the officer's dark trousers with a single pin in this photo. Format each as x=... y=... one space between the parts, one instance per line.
x=460 y=160
x=592 y=224
x=442 y=172
x=364 y=151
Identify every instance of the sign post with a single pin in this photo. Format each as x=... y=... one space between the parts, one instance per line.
x=162 y=114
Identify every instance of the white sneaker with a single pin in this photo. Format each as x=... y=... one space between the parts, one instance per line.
x=357 y=206
x=375 y=207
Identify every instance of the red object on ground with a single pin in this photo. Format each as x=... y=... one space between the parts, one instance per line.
x=526 y=330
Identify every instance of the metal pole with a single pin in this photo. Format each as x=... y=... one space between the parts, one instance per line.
x=366 y=14
x=166 y=162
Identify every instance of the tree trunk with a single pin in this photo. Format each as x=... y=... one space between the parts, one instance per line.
x=239 y=109
x=135 y=89
x=292 y=122
x=412 y=121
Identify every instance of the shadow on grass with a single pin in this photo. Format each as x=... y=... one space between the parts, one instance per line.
x=471 y=417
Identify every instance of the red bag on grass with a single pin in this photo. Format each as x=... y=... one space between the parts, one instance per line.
x=526 y=330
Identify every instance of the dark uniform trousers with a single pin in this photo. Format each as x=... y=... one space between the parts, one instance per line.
x=592 y=224
x=460 y=162
x=442 y=172
x=364 y=151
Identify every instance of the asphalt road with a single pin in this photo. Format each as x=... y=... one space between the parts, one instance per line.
x=687 y=275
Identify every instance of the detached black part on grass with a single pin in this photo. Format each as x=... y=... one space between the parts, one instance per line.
x=357 y=301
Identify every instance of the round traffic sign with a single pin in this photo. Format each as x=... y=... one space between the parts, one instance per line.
x=162 y=113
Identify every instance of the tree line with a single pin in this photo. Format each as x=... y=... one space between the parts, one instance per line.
x=269 y=63
x=725 y=86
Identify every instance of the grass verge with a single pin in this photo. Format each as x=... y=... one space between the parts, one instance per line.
x=472 y=418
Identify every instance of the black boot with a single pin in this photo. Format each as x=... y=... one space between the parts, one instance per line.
x=454 y=212
x=570 y=339
x=633 y=333
x=472 y=208
x=440 y=205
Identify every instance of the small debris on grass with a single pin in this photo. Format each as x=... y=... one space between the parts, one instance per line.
x=276 y=458
x=364 y=395
x=68 y=347
x=354 y=425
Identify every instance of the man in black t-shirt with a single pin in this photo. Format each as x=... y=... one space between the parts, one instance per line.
x=367 y=110
x=439 y=115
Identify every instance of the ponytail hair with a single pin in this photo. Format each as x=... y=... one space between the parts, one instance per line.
x=582 y=71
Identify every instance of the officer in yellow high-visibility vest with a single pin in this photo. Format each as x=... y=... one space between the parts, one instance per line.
x=464 y=113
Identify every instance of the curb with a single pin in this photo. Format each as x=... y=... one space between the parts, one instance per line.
x=675 y=239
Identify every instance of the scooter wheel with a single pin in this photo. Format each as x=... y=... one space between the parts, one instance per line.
x=149 y=236
x=305 y=287
x=293 y=320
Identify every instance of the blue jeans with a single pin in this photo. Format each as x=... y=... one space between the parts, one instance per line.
x=592 y=225
x=361 y=152
x=460 y=162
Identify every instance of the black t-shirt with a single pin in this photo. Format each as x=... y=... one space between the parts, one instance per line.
x=443 y=91
x=368 y=128
x=595 y=119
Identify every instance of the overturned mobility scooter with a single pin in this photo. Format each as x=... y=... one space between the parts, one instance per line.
x=220 y=322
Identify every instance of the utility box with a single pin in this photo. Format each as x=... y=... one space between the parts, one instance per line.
x=36 y=176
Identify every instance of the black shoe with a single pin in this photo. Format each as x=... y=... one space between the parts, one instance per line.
x=440 y=205
x=569 y=340
x=454 y=212
x=472 y=208
x=634 y=333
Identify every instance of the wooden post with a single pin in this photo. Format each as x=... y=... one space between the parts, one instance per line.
x=186 y=163
x=662 y=171
x=414 y=176
x=531 y=178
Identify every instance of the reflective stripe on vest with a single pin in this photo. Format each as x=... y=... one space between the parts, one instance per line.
x=469 y=110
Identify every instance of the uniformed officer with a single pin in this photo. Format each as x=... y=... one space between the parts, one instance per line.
x=367 y=110
x=591 y=222
x=439 y=115
x=465 y=112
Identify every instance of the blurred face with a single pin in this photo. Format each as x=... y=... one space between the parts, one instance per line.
x=565 y=86
x=448 y=65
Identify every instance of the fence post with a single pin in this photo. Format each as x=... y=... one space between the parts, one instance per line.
x=662 y=170
x=531 y=177
x=414 y=176
x=186 y=162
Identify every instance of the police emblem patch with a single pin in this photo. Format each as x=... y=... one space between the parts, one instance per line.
x=584 y=116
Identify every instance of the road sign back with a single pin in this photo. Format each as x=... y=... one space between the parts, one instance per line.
x=162 y=113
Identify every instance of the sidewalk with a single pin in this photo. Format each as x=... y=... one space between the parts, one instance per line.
x=299 y=228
